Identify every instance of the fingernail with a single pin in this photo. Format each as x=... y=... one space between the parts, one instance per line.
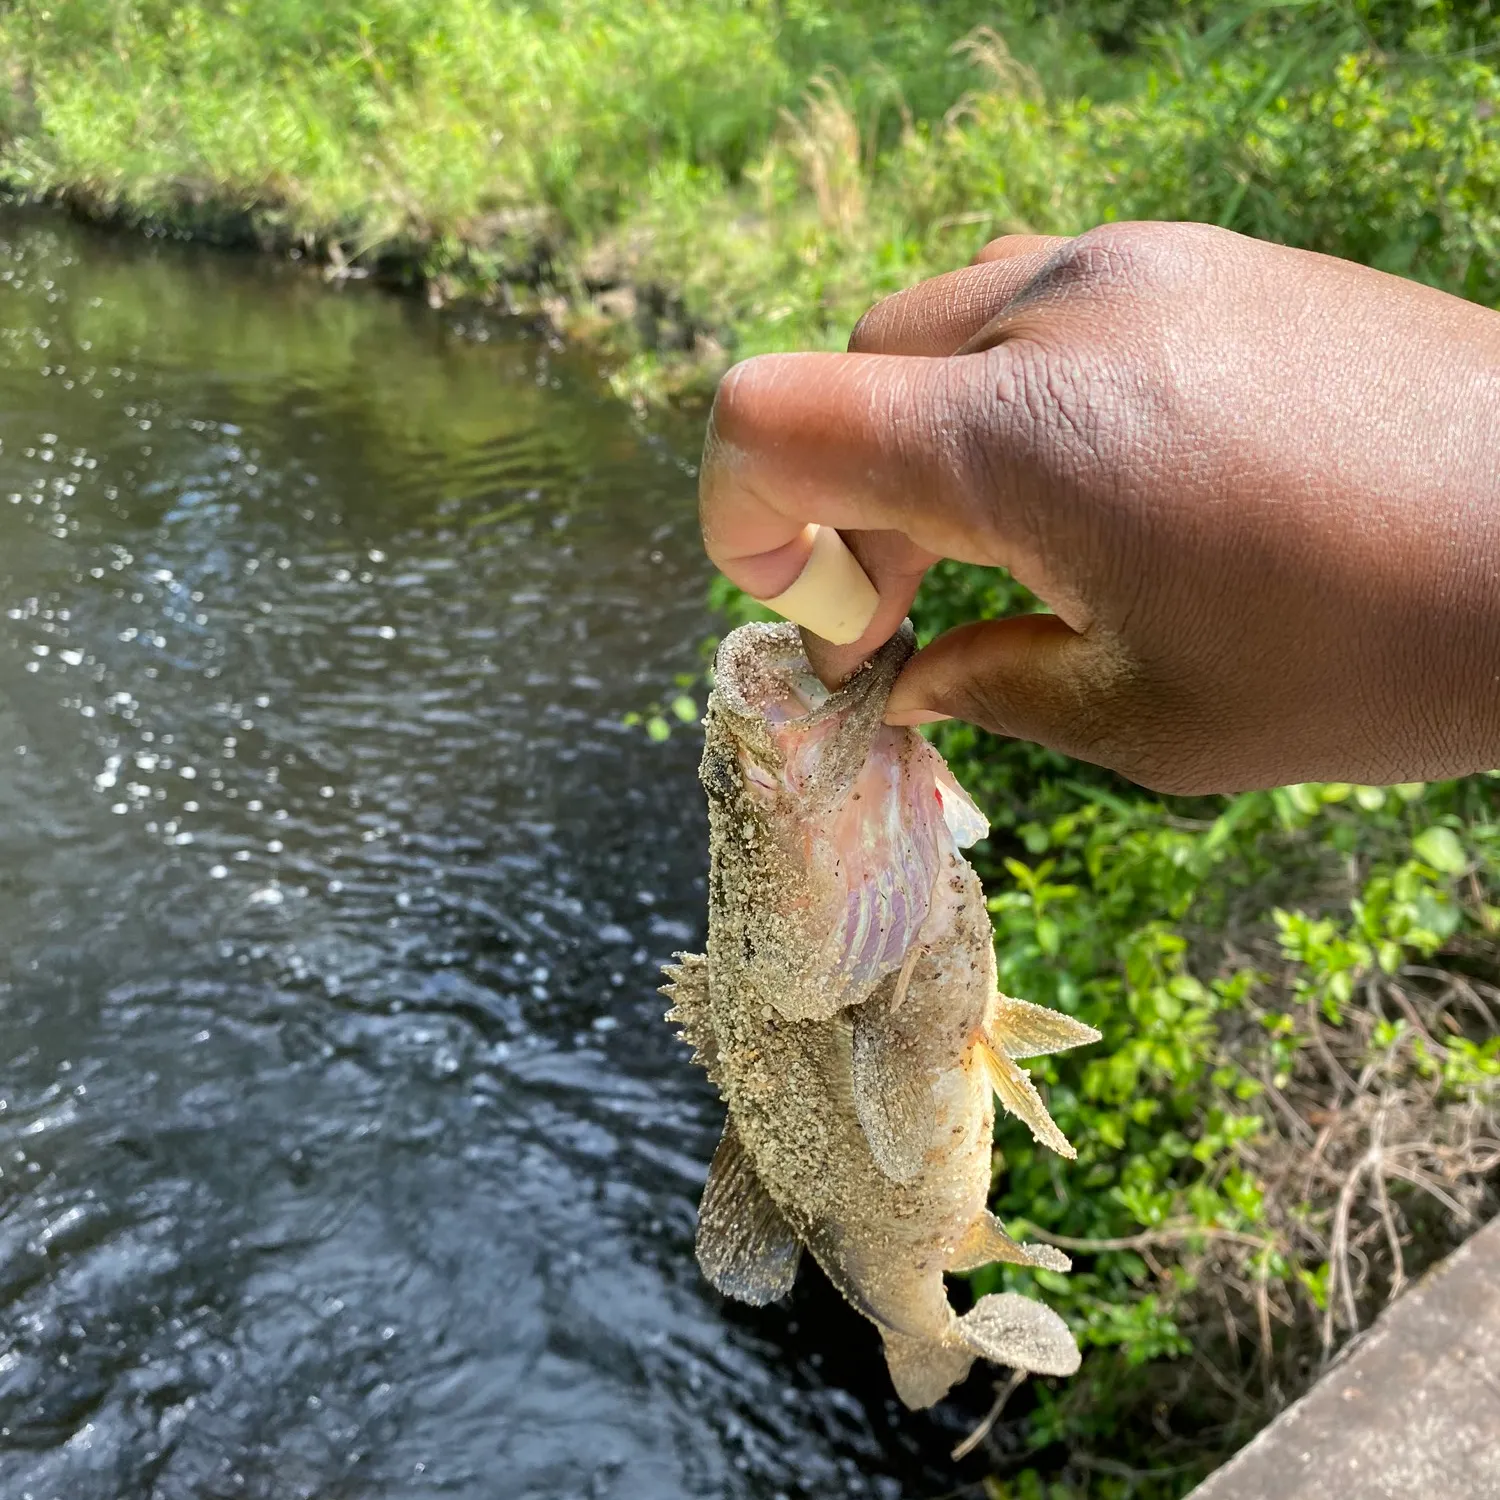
x=831 y=596
x=909 y=718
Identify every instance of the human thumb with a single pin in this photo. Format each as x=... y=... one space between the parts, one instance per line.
x=1029 y=677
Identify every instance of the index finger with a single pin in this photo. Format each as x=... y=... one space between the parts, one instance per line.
x=859 y=442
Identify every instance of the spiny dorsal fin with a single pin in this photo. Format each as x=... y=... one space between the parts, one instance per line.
x=985 y=1241
x=1009 y=1329
x=746 y=1248
x=1018 y=1095
x=687 y=988
x=1021 y=1029
x=892 y=1090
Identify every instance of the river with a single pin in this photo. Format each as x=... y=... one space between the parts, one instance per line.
x=343 y=1150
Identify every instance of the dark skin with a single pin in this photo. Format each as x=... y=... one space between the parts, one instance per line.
x=1259 y=488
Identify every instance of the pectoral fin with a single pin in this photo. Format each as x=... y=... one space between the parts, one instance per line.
x=1020 y=1029
x=1008 y=1329
x=986 y=1241
x=687 y=989
x=746 y=1248
x=965 y=821
x=1018 y=1095
x=892 y=1089
x=924 y=1370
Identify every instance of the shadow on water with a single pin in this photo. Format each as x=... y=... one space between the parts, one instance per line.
x=343 y=1151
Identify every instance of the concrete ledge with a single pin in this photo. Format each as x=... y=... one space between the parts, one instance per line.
x=1414 y=1412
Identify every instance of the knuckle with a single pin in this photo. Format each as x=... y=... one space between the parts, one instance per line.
x=733 y=398
x=750 y=392
x=1119 y=252
x=1063 y=406
x=953 y=438
x=1081 y=434
x=998 y=249
x=1098 y=262
x=1112 y=261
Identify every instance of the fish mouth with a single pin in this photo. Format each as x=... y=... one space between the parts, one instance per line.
x=795 y=737
x=765 y=681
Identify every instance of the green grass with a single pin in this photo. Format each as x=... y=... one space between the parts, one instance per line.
x=764 y=169
x=1298 y=1082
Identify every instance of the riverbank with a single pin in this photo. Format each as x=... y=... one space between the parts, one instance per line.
x=1289 y=1113
x=703 y=181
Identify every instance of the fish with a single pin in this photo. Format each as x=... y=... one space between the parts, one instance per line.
x=847 y=1009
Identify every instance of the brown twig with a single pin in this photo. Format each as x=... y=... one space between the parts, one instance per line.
x=1003 y=1393
x=1167 y=1235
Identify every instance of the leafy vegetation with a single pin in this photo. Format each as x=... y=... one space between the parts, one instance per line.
x=1294 y=1105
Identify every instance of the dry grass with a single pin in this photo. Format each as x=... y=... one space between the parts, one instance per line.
x=1373 y=1163
x=824 y=142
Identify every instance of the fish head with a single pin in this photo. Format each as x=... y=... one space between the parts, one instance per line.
x=796 y=741
x=834 y=826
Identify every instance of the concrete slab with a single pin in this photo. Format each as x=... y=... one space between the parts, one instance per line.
x=1413 y=1412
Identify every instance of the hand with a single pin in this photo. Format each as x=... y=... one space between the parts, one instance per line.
x=1259 y=488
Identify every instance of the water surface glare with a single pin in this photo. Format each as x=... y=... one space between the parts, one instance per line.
x=343 y=1151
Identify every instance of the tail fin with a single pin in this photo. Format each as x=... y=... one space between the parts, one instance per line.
x=1008 y=1329
x=1004 y=1328
x=924 y=1370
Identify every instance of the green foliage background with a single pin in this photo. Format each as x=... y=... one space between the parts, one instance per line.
x=751 y=174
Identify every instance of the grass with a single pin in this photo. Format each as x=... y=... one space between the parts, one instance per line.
x=754 y=173
x=1294 y=1109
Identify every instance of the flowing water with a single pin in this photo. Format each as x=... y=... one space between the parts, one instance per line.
x=343 y=1151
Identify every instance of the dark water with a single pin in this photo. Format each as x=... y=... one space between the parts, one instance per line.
x=343 y=1152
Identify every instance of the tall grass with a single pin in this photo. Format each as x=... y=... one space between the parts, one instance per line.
x=770 y=167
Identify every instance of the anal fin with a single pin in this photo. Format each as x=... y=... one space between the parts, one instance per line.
x=745 y=1246
x=924 y=1370
x=1009 y=1329
x=1019 y=1096
x=986 y=1241
x=892 y=1088
x=687 y=989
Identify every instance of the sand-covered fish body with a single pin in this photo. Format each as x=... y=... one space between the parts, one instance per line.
x=847 y=1010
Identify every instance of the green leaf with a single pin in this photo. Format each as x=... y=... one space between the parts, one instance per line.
x=684 y=708
x=1440 y=848
x=658 y=728
x=1048 y=936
